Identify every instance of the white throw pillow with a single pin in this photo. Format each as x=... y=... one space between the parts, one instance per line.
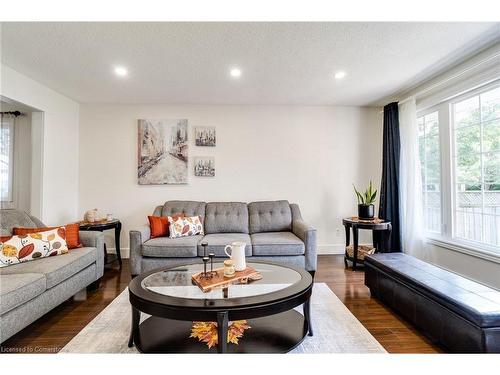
x=185 y=226
x=23 y=248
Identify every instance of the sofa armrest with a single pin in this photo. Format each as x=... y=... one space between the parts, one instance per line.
x=137 y=237
x=94 y=239
x=307 y=234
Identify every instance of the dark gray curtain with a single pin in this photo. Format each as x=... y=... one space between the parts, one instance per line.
x=389 y=189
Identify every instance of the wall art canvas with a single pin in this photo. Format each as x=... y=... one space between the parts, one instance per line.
x=204 y=136
x=163 y=152
x=204 y=166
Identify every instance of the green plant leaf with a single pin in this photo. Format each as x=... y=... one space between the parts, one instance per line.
x=358 y=195
x=361 y=199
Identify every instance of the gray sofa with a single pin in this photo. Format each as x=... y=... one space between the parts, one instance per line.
x=272 y=230
x=31 y=289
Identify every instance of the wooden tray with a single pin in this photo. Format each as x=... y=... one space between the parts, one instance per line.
x=218 y=280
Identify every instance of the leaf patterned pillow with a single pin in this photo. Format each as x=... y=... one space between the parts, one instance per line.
x=185 y=226
x=26 y=247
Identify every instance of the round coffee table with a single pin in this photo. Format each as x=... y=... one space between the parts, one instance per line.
x=174 y=302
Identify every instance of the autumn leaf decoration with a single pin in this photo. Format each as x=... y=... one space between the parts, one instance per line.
x=207 y=332
x=62 y=232
x=26 y=250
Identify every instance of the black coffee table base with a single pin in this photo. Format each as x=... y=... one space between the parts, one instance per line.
x=278 y=333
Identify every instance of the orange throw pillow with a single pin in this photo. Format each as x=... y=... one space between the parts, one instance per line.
x=160 y=225
x=71 y=233
x=4 y=238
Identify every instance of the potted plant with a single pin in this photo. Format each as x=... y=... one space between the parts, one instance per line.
x=366 y=209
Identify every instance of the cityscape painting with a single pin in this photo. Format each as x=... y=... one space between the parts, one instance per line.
x=204 y=166
x=204 y=136
x=162 y=152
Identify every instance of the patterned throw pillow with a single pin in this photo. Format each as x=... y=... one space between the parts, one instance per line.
x=185 y=226
x=159 y=225
x=26 y=247
x=72 y=233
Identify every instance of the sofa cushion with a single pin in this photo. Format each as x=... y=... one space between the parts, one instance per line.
x=14 y=218
x=17 y=289
x=218 y=241
x=56 y=269
x=188 y=208
x=276 y=243
x=271 y=216
x=165 y=247
x=226 y=217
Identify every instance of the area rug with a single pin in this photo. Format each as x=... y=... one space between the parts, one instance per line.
x=336 y=330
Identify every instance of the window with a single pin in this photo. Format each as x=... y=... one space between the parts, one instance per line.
x=459 y=149
x=6 y=159
x=430 y=161
x=476 y=166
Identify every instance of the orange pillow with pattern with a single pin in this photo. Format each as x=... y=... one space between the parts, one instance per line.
x=160 y=225
x=71 y=233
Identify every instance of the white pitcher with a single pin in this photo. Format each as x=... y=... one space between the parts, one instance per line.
x=237 y=255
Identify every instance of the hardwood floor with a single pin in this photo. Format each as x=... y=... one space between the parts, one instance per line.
x=54 y=330
x=393 y=332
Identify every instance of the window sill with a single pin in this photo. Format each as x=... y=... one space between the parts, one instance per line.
x=465 y=248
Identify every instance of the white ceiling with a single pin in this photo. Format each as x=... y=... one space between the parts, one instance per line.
x=282 y=63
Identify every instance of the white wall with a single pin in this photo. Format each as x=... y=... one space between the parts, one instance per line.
x=60 y=143
x=308 y=155
x=482 y=270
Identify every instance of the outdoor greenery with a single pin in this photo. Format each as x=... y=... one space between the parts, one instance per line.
x=470 y=121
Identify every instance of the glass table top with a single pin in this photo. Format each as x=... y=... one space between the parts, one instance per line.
x=176 y=282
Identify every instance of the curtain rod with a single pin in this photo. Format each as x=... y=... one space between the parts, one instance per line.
x=442 y=82
x=12 y=113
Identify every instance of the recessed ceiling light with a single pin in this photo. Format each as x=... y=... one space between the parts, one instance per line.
x=235 y=72
x=339 y=75
x=121 y=71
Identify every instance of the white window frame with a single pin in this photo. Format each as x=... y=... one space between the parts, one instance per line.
x=8 y=201
x=447 y=237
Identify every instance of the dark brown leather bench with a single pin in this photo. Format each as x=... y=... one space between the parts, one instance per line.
x=461 y=315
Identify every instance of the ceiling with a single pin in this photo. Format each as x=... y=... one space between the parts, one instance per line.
x=281 y=63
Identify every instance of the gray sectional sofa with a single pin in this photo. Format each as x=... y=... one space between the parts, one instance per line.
x=272 y=230
x=30 y=290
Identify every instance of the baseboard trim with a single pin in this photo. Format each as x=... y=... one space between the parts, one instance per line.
x=124 y=252
x=331 y=249
x=335 y=249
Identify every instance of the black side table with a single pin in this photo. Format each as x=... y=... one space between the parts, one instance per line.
x=102 y=226
x=381 y=235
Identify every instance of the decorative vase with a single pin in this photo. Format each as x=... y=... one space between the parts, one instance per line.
x=92 y=216
x=366 y=211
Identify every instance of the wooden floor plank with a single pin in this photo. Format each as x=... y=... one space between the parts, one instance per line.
x=54 y=330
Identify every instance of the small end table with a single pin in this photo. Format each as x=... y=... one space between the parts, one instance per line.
x=381 y=234
x=101 y=226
